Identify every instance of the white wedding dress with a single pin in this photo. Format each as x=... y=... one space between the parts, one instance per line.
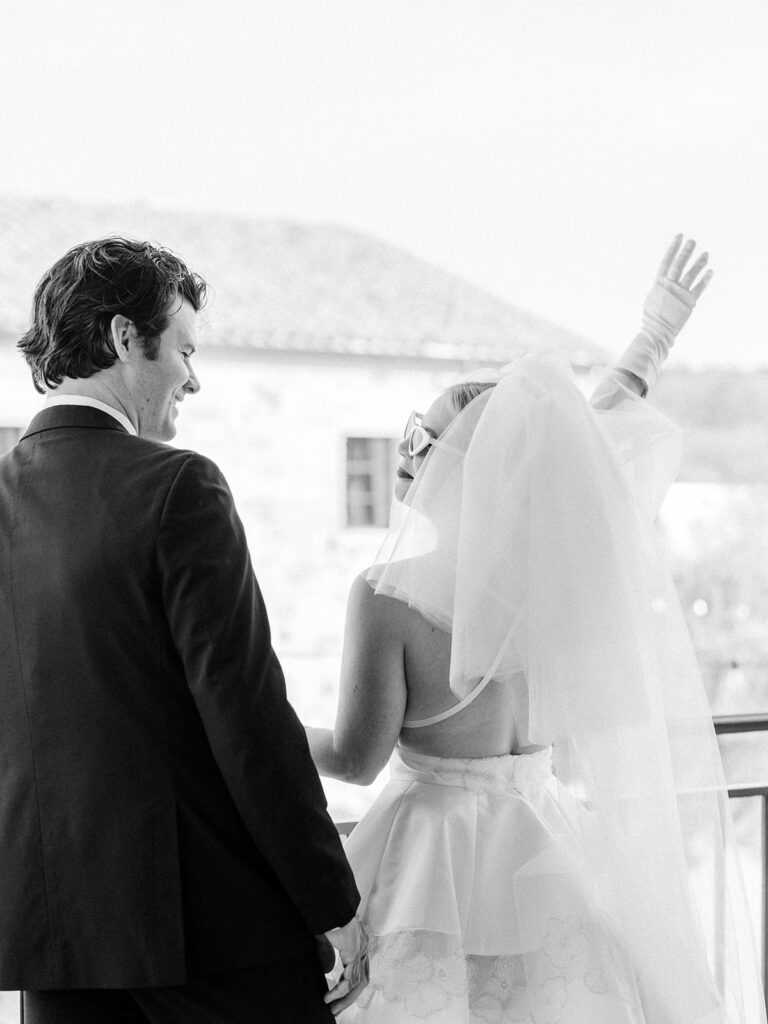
x=607 y=890
x=478 y=902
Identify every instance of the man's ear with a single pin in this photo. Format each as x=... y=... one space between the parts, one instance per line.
x=124 y=337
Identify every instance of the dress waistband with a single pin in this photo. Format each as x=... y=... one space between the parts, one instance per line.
x=525 y=774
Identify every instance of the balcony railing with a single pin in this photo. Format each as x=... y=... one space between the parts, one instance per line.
x=727 y=725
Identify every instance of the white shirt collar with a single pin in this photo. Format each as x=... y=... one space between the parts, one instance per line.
x=92 y=403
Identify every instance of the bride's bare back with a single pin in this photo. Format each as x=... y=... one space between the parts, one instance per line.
x=395 y=669
x=493 y=723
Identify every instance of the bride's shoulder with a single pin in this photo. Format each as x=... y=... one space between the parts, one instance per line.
x=379 y=582
x=366 y=586
x=375 y=598
x=368 y=594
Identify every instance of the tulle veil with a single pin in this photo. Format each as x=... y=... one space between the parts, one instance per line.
x=529 y=534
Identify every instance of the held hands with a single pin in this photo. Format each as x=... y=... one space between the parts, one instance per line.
x=352 y=945
x=669 y=304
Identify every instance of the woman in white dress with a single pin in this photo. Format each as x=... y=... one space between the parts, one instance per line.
x=553 y=846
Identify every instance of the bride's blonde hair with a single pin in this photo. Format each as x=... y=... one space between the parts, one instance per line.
x=460 y=395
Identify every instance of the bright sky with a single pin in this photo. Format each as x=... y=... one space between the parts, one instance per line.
x=545 y=149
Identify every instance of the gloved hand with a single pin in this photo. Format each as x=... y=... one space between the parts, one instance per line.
x=669 y=304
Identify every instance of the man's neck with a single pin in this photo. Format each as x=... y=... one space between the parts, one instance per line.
x=88 y=387
x=95 y=390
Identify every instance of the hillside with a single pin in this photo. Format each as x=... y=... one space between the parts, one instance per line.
x=724 y=414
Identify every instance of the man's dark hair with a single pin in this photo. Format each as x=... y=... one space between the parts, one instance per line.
x=77 y=298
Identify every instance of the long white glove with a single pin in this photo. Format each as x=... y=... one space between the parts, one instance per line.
x=669 y=304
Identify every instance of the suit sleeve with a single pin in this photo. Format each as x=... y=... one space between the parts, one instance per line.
x=220 y=627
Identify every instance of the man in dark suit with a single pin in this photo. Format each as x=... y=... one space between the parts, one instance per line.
x=165 y=850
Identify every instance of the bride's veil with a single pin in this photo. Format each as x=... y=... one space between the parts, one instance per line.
x=528 y=534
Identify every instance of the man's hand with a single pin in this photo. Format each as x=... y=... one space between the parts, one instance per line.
x=352 y=945
x=669 y=304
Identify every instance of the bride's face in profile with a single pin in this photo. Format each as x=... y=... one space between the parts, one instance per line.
x=417 y=440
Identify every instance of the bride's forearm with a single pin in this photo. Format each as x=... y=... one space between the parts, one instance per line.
x=668 y=305
x=666 y=310
x=332 y=763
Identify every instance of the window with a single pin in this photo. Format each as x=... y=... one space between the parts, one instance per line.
x=370 y=468
x=8 y=438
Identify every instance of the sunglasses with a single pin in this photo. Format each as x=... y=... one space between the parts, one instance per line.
x=417 y=436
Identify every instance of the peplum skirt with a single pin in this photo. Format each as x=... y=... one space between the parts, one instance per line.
x=479 y=903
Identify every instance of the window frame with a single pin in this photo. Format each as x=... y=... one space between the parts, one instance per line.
x=379 y=467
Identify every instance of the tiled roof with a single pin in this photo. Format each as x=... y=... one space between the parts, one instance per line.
x=288 y=286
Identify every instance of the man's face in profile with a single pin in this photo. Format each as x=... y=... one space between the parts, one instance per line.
x=163 y=382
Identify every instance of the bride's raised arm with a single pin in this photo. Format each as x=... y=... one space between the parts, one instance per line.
x=668 y=305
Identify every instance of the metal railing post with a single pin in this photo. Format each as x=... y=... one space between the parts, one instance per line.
x=728 y=725
x=765 y=896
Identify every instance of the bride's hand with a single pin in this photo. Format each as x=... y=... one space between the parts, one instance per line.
x=668 y=305
x=352 y=945
x=675 y=291
x=671 y=268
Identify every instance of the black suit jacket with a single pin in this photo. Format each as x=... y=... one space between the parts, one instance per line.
x=159 y=809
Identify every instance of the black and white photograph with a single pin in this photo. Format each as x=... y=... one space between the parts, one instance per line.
x=383 y=512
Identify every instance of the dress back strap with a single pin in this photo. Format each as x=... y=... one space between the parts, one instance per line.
x=418 y=723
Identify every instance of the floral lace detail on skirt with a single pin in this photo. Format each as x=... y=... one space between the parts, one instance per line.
x=576 y=976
